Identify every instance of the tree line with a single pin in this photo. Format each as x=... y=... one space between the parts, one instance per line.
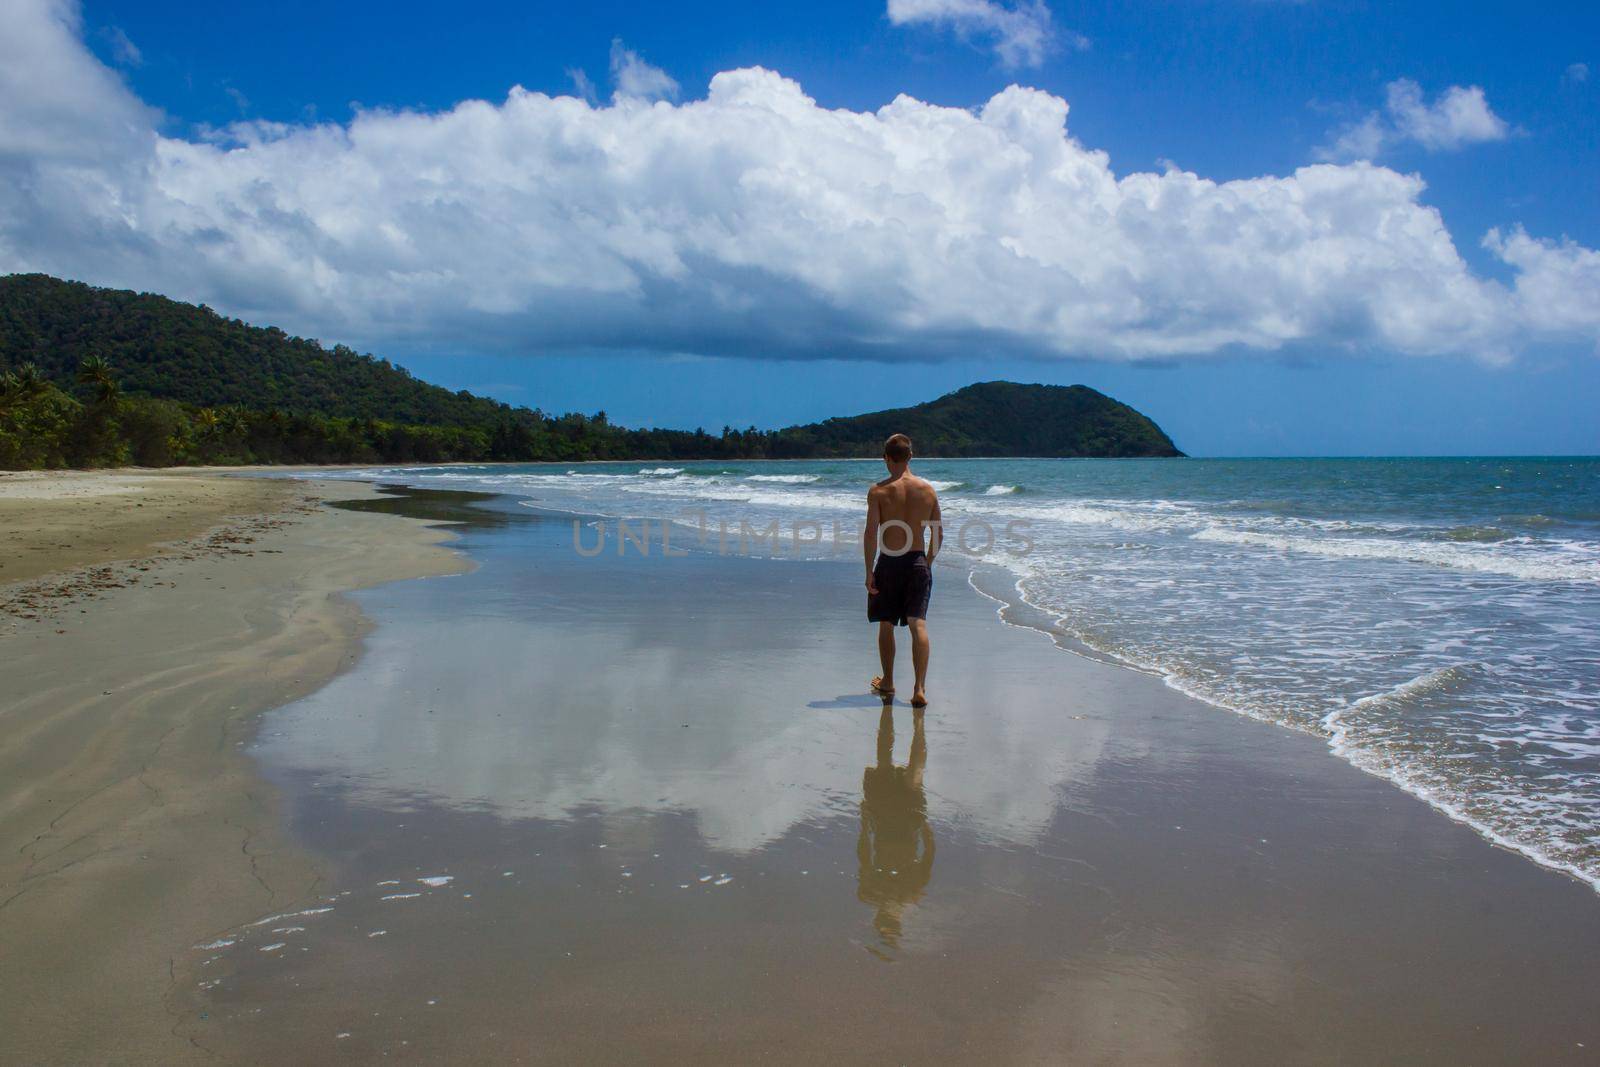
x=97 y=424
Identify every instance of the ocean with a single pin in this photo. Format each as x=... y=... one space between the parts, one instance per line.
x=1435 y=620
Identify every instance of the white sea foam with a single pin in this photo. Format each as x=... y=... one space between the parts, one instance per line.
x=944 y=487
x=784 y=479
x=1552 y=563
x=1424 y=780
x=661 y=471
x=436 y=880
x=304 y=913
x=1000 y=490
x=1422 y=683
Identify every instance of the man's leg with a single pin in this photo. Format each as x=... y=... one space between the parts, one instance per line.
x=919 y=658
x=885 y=682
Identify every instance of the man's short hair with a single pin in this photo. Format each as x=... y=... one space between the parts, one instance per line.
x=897 y=448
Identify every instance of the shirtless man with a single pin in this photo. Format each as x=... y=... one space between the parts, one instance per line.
x=903 y=536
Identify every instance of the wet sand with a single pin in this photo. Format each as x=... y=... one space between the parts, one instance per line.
x=133 y=660
x=612 y=809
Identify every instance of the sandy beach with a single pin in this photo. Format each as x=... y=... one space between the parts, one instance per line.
x=566 y=808
x=149 y=618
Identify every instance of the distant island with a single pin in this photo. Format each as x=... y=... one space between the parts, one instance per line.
x=93 y=377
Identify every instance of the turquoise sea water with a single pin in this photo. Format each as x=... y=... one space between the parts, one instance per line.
x=1435 y=619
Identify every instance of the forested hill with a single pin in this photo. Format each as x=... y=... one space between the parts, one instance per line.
x=994 y=419
x=165 y=348
x=101 y=377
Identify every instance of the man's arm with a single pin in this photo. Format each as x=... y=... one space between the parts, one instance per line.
x=935 y=529
x=869 y=537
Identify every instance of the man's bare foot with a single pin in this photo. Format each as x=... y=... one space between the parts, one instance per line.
x=919 y=699
x=880 y=687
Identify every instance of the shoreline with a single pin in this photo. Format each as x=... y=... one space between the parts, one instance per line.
x=132 y=823
x=1332 y=738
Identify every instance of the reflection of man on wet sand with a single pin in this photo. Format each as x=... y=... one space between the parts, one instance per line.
x=896 y=845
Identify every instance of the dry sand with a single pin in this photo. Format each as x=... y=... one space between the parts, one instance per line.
x=65 y=520
x=130 y=822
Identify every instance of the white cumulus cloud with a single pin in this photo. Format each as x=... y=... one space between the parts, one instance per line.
x=1020 y=33
x=1557 y=284
x=1457 y=117
x=750 y=222
x=634 y=79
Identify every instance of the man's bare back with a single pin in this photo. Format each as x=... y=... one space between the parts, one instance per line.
x=907 y=500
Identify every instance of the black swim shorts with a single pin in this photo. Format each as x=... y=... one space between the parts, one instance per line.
x=904 y=584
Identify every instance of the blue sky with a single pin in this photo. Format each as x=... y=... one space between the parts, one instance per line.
x=1227 y=89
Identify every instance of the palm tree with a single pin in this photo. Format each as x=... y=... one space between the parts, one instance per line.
x=235 y=420
x=20 y=386
x=28 y=382
x=96 y=371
